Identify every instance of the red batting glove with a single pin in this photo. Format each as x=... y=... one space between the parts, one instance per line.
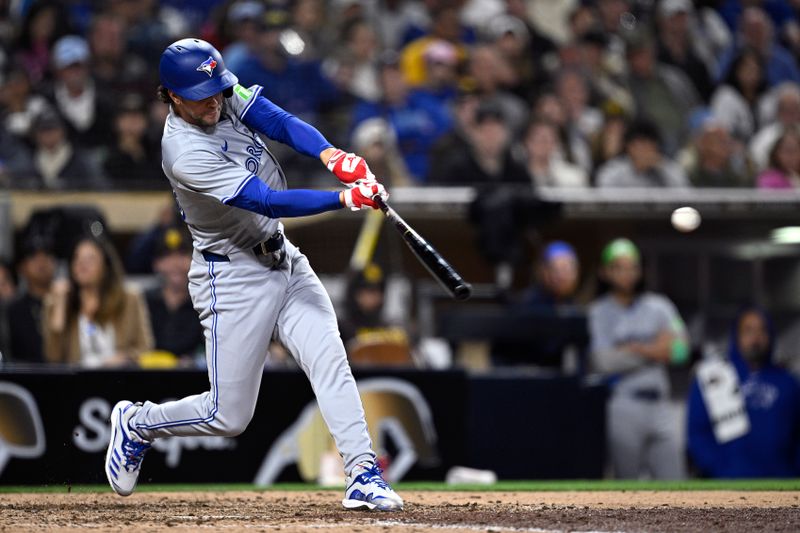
x=349 y=168
x=360 y=196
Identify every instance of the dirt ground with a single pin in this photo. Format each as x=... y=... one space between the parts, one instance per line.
x=625 y=511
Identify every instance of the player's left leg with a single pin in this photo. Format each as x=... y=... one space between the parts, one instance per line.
x=237 y=304
x=307 y=327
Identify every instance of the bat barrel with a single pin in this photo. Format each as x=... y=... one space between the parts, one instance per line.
x=432 y=260
x=463 y=291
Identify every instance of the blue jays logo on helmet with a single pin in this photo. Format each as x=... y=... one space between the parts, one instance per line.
x=194 y=69
x=208 y=66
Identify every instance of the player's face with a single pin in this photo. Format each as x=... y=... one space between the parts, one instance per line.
x=204 y=113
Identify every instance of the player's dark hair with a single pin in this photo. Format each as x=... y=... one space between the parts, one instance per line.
x=162 y=93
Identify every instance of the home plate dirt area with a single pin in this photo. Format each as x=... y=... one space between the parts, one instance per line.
x=617 y=511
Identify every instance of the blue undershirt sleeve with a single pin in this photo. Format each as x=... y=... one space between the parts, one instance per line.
x=267 y=118
x=257 y=197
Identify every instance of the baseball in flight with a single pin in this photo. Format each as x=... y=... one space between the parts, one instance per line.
x=685 y=219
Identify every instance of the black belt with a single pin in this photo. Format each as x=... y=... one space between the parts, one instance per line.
x=271 y=247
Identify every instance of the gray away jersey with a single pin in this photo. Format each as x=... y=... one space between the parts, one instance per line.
x=611 y=324
x=208 y=166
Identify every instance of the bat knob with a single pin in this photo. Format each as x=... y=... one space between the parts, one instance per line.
x=462 y=292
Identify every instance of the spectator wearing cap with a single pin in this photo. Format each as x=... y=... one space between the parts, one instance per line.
x=417 y=119
x=663 y=94
x=175 y=324
x=441 y=65
x=85 y=109
x=131 y=161
x=140 y=255
x=643 y=164
x=488 y=161
x=545 y=161
x=634 y=336
x=676 y=46
x=734 y=102
x=363 y=320
x=60 y=164
x=36 y=267
x=557 y=274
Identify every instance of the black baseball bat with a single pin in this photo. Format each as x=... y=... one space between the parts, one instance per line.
x=433 y=261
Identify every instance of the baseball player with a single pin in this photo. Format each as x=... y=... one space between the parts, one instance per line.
x=247 y=281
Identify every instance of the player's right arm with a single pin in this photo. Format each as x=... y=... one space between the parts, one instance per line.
x=204 y=172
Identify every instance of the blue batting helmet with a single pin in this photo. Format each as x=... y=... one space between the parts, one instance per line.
x=193 y=69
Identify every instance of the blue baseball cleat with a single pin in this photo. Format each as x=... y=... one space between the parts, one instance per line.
x=126 y=450
x=366 y=489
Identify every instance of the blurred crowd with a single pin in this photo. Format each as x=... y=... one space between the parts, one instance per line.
x=741 y=413
x=561 y=93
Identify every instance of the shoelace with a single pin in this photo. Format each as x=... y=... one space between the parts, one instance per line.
x=373 y=475
x=134 y=453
